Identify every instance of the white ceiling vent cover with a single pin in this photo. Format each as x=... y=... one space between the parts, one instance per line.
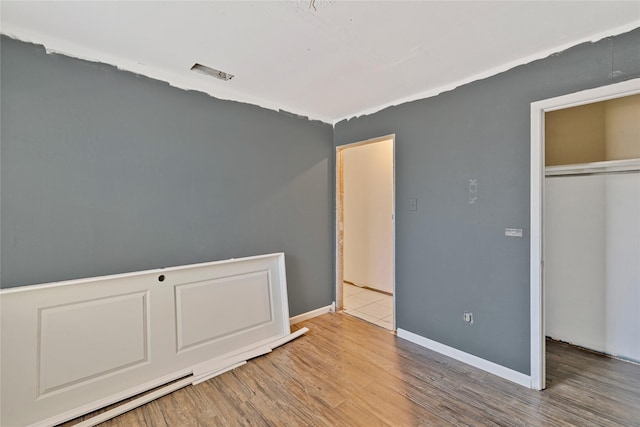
x=203 y=69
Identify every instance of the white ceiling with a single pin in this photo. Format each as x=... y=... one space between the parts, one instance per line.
x=327 y=60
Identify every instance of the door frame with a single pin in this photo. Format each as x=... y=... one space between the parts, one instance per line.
x=340 y=218
x=538 y=110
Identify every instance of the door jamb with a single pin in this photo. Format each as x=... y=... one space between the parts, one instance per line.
x=340 y=219
x=538 y=110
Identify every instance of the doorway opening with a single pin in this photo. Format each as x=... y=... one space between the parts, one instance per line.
x=365 y=230
x=539 y=223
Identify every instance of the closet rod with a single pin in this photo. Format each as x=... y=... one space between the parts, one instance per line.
x=568 y=174
x=606 y=167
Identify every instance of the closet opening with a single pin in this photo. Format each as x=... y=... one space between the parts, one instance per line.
x=585 y=232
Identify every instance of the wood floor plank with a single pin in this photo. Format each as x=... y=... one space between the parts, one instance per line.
x=346 y=372
x=353 y=414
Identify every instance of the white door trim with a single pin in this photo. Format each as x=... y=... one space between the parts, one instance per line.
x=339 y=219
x=538 y=110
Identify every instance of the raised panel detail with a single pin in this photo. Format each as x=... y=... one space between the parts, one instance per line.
x=84 y=341
x=211 y=310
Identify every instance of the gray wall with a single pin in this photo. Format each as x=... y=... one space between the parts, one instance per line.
x=104 y=171
x=452 y=256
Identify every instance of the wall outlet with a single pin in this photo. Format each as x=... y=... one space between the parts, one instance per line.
x=467 y=316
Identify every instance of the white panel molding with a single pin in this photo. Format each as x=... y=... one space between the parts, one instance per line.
x=248 y=306
x=64 y=351
x=311 y=314
x=536 y=263
x=469 y=359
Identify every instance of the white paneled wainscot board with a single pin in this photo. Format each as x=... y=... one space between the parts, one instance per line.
x=69 y=348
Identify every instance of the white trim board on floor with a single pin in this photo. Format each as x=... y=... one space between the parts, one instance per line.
x=469 y=359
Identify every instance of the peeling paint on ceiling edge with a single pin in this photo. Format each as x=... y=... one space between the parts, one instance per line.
x=496 y=70
x=54 y=46
x=90 y=55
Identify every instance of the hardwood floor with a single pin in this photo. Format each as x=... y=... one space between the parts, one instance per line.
x=346 y=372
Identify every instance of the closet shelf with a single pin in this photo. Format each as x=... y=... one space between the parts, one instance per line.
x=609 y=166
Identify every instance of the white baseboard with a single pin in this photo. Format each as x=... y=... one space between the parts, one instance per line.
x=310 y=314
x=469 y=359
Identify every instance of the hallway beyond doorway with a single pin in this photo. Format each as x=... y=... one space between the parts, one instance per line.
x=366 y=304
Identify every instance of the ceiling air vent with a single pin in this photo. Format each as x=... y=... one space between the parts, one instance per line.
x=203 y=69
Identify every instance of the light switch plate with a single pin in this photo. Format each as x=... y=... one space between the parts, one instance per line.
x=413 y=204
x=513 y=232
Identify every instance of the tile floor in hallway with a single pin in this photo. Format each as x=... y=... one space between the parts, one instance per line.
x=372 y=306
